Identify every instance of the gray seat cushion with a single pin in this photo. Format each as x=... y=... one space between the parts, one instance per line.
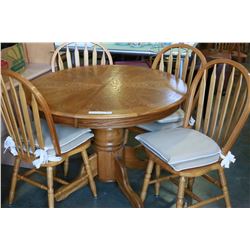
x=69 y=137
x=177 y=116
x=174 y=120
x=181 y=148
x=155 y=126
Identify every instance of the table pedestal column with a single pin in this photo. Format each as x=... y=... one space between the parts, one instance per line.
x=108 y=144
x=111 y=167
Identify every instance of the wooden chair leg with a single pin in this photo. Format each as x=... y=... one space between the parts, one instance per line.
x=50 y=187
x=146 y=180
x=224 y=187
x=54 y=172
x=190 y=183
x=14 y=180
x=180 y=195
x=88 y=170
x=66 y=166
x=157 y=175
x=126 y=133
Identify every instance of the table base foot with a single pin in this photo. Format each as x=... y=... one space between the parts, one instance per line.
x=122 y=180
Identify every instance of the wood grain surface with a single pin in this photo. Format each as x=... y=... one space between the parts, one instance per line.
x=133 y=94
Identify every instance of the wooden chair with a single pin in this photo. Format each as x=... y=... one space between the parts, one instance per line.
x=170 y=60
x=240 y=52
x=89 y=54
x=235 y=51
x=31 y=137
x=188 y=153
x=73 y=59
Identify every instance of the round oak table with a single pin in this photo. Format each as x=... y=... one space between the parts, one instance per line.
x=108 y=99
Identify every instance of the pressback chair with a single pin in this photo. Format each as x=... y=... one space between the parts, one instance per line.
x=36 y=140
x=89 y=54
x=183 y=61
x=75 y=58
x=188 y=153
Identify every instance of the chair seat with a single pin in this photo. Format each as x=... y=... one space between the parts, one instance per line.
x=68 y=137
x=174 y=120
x=175 y=117
x=155 y=126
x=181 y=148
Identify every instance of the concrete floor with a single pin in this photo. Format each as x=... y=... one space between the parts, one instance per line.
x=109 y=195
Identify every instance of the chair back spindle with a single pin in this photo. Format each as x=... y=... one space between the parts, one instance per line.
x=86 y=56
x=68 y=57
x=77 y=57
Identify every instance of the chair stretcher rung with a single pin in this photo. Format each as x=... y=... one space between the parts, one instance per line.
x=212 y=180
x=54 y=178
x=66 y=190
x=29 y=172
x=188 y=192
x=163 y=179
x=34 y=183
x=205 y=202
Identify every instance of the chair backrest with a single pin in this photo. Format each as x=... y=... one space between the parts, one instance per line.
x=223 y=103
x=225 y=47
x=21 y=104
x=238 y=51
x=244 y=47
x=183 y=67
x=90 y=54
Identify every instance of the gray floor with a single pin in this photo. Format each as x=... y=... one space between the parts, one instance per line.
x=109 y=195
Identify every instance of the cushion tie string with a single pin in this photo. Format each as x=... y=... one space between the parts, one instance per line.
x=43 y=157
x=10 y=144
x=227 y=159
x=191 y=121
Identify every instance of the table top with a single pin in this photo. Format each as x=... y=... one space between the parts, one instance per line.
x=131 y=95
